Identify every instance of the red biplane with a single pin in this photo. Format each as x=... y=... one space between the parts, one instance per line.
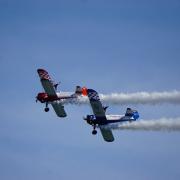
x=50 y=96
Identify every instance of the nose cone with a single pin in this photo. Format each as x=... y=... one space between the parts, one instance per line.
x=38 y=97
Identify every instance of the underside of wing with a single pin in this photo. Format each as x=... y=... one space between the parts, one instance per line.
x=46 y=82
x=107 y=134
x=48 y=87
x=59 y=109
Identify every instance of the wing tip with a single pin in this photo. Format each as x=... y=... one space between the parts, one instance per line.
x=40 y=70
x=109 y=140
x=91 y=90
x=43 y=74
x=62 y=116
x=93 y=95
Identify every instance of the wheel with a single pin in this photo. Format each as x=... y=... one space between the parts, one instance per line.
x=46 y=109
x=94 y=132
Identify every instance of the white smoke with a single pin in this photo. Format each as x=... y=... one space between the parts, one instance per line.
x=143 y=98
x=163 y=124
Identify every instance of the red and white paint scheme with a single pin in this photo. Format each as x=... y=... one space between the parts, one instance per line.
x=50 y=96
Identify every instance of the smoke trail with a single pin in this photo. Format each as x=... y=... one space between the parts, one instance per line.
x=163 y=124
x=143 y=98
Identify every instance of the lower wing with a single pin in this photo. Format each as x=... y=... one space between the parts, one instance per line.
x=107 y=134
x=59 y=109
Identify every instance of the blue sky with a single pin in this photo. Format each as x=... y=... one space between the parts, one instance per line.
x=111 y=46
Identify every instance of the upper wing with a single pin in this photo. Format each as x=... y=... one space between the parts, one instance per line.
x=107 y=134
x=46 y=82
x=49 y=88
x=96 y=104
x=99 y=112
x=59 y=109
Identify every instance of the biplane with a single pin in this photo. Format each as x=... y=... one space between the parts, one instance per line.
x=51 y=96
x=101 y=120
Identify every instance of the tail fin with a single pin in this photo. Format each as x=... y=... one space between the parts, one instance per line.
x=129 y=112
x=132 y=113
x=81 y=91
x=78 y=90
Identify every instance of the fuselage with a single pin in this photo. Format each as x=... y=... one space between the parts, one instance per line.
x=117 y=118
x=92 y=119
x=44 y=97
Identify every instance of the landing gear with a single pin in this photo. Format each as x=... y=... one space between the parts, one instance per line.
x=46 y=109
x=94 y=132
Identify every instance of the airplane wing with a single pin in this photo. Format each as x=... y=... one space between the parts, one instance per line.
x=49 y=88
x=99 y=112
x=96 y=104
x=46 y=82
x=107 y=134
x=59 y=109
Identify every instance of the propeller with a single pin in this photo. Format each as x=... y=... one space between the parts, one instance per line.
x=36 y=99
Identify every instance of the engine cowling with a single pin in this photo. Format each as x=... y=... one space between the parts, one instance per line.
x=42 y=97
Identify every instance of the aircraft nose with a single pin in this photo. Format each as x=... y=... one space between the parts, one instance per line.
x=38 y=97
x=41 y=97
